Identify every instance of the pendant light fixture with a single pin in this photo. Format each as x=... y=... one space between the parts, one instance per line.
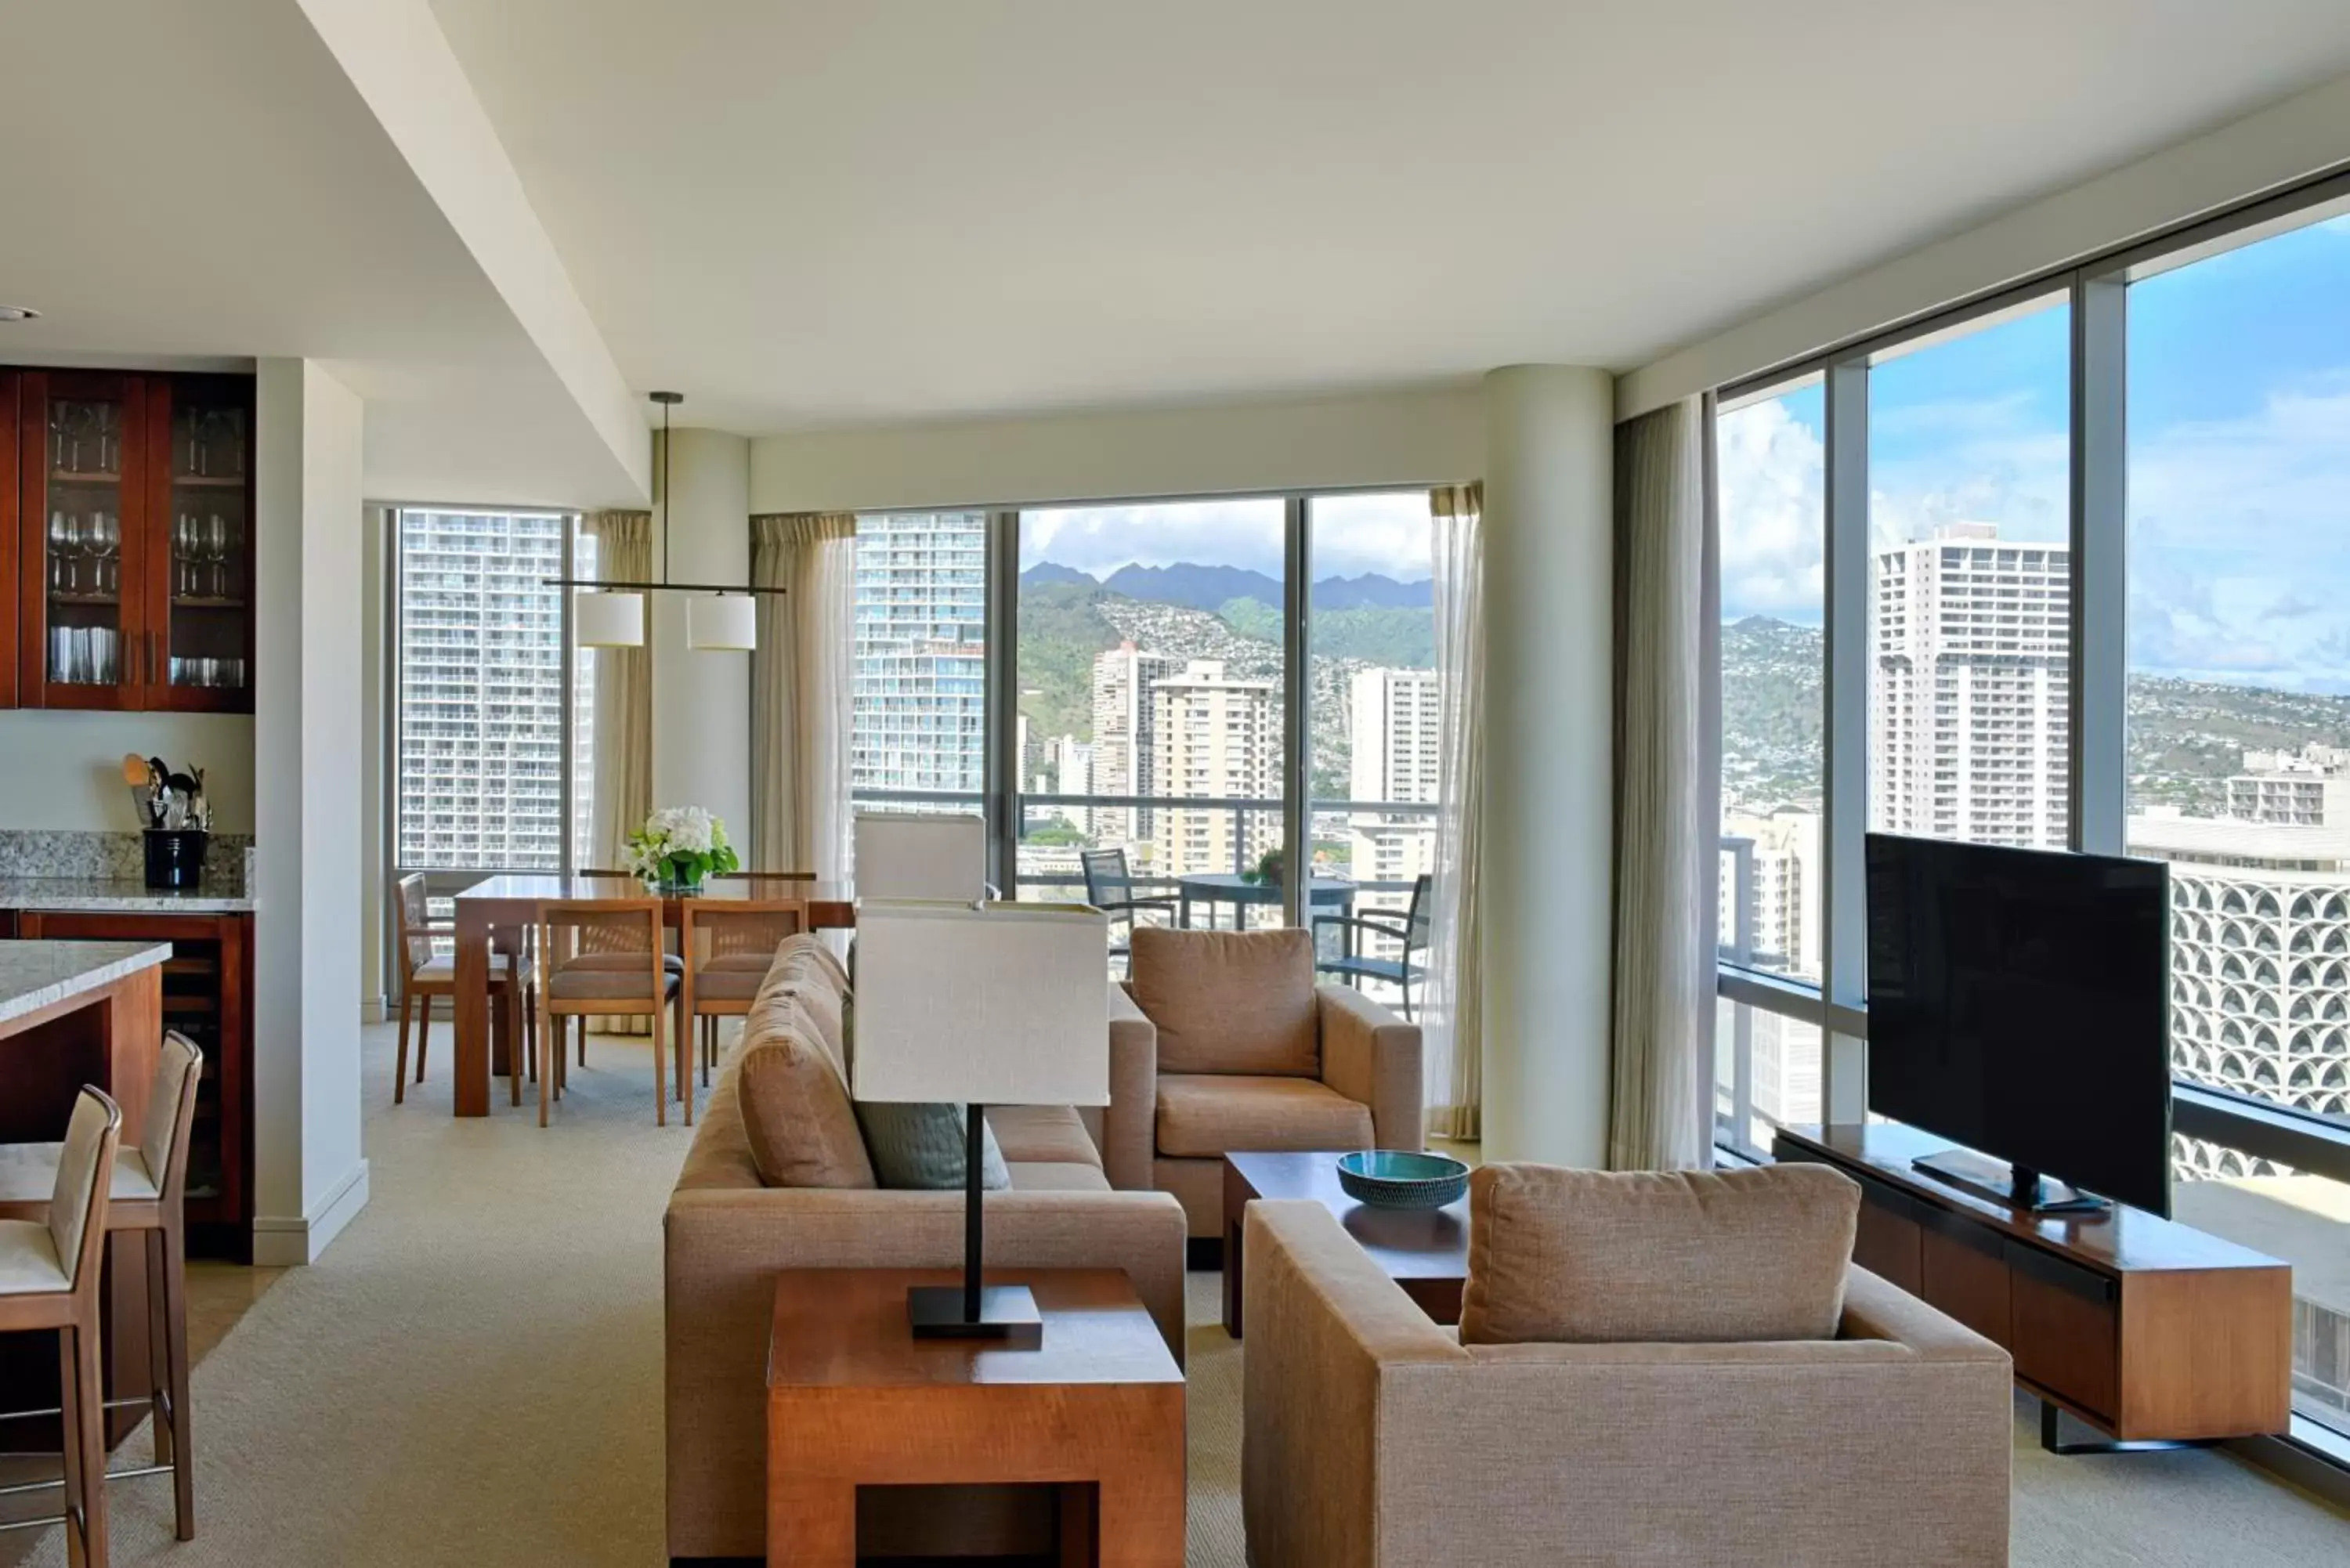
x=613 y=614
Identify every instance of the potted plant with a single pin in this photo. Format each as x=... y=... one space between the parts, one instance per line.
x=678 y=847
x=1267 y=872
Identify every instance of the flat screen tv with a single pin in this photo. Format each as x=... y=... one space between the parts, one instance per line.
x=2018 y=1005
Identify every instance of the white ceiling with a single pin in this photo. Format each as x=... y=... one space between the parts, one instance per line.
x=808 y=215
x=200 y=183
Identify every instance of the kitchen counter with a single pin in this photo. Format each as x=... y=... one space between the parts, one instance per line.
x=36 y=975
x=117 y=895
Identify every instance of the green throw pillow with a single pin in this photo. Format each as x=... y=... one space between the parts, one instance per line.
x=919 y=1146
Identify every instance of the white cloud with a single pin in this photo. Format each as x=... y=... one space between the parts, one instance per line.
x=1773 y=474
x=1388 y=533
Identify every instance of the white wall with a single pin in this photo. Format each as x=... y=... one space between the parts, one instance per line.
x=1424 y=436
x=1547 y=913
x=64 y=770
x=309 y=1174
x=2277 y=147
x=701 y=700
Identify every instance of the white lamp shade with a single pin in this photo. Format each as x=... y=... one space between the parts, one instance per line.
x=1006 y=1004
x=921 y=855
x=608 y=620
x=726 y=623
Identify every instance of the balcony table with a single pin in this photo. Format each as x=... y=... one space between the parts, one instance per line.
x=1214 y=887
x=500 y=906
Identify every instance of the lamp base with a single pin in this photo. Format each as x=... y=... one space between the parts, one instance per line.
x=1007 y=1316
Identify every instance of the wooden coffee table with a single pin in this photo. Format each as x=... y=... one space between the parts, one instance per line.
x=854 y=1400
x=1425 y=1251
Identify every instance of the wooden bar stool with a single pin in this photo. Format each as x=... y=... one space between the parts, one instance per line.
x=148 y=1195
x=742 y=936
x=48 y=1281
x=425 y=975
x=620 y=973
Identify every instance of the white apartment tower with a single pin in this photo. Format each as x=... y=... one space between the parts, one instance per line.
x=2308 y=788
x=1969 y=732
x=921 y=652
x=1392 y=736
x=1213 y=737
x=1122 y=757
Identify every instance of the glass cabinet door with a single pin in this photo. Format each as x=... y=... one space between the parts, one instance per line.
x=203 y=544
x=82 y=531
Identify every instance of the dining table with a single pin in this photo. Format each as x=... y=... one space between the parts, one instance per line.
x=1212 y=887
x=494 y=912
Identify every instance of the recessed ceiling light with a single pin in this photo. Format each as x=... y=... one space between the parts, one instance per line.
x=17 y=313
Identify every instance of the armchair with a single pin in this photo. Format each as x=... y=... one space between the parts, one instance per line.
x=1352 y=963
x=1109 y=887
x=1373 y=1437
x=1222 y=1042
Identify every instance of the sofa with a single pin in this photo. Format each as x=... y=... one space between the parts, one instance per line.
x=726 y=1233
x=1376 y=1438
x=1221 y=1042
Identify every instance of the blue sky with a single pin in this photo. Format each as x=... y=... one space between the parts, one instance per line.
x=2240 y=461
x=1388 y=533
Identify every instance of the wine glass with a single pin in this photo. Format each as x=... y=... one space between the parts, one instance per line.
x=80 y=421
x=61 y=568
x=217 y=551
x=105 y=544
x=107 y=423
x=76 y=549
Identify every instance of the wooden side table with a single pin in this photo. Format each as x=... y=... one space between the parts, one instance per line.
x=854 y=1400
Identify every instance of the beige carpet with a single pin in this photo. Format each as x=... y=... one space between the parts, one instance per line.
x=473 y=1376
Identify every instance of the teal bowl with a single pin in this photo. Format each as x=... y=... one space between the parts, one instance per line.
x=1392 y=1178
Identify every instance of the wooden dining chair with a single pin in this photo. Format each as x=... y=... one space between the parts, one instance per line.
x=618 y=973
x=49 y=1271
x=592 y=944
x=425 y=975
x=148 y=1195
x=730 y=944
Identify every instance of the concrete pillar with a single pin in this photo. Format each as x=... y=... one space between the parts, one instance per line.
x=1549 y=767
x=702 y=701
x=310 y=715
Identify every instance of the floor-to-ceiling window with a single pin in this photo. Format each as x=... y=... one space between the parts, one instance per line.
x=479 y=717
x=1154 y=692
x=2239 y=725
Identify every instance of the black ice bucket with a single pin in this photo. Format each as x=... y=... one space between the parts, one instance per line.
x=175 y=857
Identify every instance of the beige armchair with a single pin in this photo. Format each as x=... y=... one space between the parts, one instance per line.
x=1374 y=1438
x=1222 y=1042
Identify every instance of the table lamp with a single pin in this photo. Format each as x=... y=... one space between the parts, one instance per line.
x=991 y=1004
x=921 y=855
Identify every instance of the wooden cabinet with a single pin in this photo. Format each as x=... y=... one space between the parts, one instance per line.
x=132 y=511
x=2143 y=1328
x=207 y=996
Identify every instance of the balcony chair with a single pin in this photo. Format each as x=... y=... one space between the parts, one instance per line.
x=148 y=1195
x=425 y=975
x=742 y=936
x=1351 y=963
x=1223 y=1043
x=604 y=958
x=1109 y=887
x=50 y=1271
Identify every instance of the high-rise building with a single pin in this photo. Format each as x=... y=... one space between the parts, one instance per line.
x=1393 y=739
x=921 y=700
x=2308 y=788
x=1968 y=712
x=1774 y=861
x=1213 y=737
x=480 y=689
x=1123 y=678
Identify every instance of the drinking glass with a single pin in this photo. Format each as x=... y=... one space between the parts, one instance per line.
x=60 y=570
x=107 y=424
x=76 y=547
x=105 y=544
x=217 y=551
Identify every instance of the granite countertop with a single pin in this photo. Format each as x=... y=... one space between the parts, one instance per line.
x=117 y=895
x=35 y=975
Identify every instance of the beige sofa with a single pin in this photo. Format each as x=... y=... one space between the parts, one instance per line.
x=1374 y=1440
x=1224 y=1042
x=725 y=1235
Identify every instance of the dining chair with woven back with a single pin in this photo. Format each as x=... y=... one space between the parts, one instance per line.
x=1409 y=930
x=594 y=942
x=426 y=975
x=603 y=957
x=729 y=945
x=1109 y=887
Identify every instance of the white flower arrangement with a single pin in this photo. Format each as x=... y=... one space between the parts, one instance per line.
x=679 y=845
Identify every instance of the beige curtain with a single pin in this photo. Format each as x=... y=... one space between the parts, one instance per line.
x=623 y=778
x=800 y=691
x=1452 y=1023
x=1664 y=844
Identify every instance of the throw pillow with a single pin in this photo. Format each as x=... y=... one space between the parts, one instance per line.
x=921 y=1145
x=797 y=1114
x=1230 y=1002
x=1655 y=1257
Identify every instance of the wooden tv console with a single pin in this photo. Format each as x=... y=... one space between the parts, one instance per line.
x=2149 y=1330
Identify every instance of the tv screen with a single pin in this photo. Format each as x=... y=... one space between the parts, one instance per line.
x=2018 y=1005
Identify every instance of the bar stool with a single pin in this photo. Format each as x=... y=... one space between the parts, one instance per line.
x=148 y=1195
x=48 y=1281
